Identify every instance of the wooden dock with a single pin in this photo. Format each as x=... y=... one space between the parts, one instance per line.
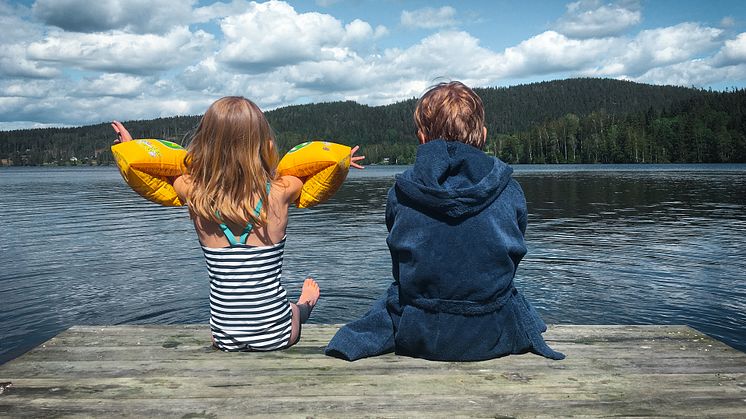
x=144 y=371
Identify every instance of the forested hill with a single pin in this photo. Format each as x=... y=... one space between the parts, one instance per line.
x=517 y=108
x=564 y=121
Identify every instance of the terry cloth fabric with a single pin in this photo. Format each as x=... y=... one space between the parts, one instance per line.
x=456 y=224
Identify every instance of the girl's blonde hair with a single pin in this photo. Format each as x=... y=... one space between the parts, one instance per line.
x=231 y=159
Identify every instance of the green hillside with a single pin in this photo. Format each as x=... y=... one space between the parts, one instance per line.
x=564 y=121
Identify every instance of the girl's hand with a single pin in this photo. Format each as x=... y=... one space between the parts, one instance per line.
x=122 y=134
x=354 y=159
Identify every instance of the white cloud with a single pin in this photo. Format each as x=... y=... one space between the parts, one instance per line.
x=697 y=73
x=42 y=101
x=67 y=102
x=331 y=75
x=120 y=85
x=204 y=76
x=551 y=51
x=447 y=54
x=219 y=10
x=662 y=47
x=359 y=31
x=429 y=18
x=16 y=125
x=339 y=73
x=121 y=51
x=31 y=89
x=327 y=3
x=157 y=16
x=593 y=19
x=733 y=52
x=209 y=78
x=458 y=54
x=13 y=63
x=273 y=34
x=17 y=31
x=392 y=91
x=728 y=22
x=15 y=24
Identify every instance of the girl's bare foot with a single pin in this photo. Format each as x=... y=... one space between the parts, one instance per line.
x=310 y=293
x=309 y=296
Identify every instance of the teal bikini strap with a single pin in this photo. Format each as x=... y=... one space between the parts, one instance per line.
x=245 y=233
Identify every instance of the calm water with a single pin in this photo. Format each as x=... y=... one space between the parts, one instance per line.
x=607 y=244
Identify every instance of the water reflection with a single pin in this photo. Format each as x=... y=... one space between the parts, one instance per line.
x=635 y=247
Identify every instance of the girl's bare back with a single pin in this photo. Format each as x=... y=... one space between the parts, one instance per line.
x=283 y=192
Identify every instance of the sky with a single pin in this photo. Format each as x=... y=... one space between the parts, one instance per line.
x=80 y=62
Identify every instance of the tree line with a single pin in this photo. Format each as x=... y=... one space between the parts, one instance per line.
x=564 y=121
x=710 y=128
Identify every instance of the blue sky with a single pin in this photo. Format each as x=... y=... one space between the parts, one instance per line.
x=77 y=62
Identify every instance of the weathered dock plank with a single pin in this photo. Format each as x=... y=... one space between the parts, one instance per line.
x=172 y=371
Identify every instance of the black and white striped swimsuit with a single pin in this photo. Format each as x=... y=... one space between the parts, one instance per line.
x=249 y=309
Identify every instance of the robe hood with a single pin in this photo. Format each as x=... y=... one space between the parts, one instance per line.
x=453 y=179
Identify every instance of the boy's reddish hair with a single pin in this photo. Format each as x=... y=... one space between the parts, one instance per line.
x=451 y=111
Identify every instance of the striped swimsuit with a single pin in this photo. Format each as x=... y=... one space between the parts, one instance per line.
x=249 y=309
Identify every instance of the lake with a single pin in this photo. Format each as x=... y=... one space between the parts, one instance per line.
x=608 y=244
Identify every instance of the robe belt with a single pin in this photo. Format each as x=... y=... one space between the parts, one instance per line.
x=464 y=307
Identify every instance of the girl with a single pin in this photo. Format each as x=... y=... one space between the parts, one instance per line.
x=239 y=207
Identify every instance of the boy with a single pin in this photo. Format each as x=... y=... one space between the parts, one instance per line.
x=456 y=224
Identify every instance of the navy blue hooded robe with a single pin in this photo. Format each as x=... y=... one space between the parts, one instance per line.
x=456 y=224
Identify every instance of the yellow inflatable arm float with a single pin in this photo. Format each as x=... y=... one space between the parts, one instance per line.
x=321 y=165
x=146 y=165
